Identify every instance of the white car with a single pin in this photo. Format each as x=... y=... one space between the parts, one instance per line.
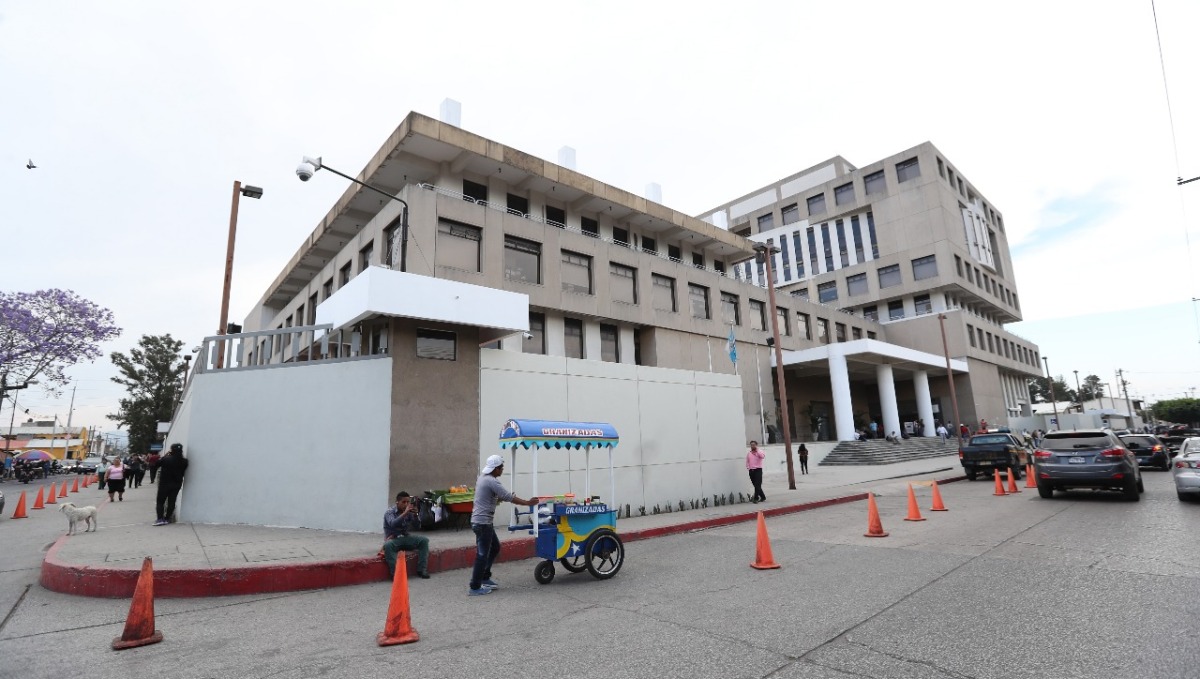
x=1186 y=469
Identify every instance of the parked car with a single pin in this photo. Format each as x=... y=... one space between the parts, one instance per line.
x=1149 y=451
x=1186 y=471
x=89 y=464
x=1090 y=458
x=984 y=452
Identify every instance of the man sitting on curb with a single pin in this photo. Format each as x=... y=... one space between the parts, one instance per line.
x=397 y=521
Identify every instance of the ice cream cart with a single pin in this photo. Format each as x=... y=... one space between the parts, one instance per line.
x=580 y=535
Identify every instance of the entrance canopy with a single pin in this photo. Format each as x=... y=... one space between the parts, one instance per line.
x=548 y=434
x=864 y=354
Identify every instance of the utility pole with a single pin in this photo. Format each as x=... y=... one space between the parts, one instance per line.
x=1128 y=404
x=70 y=414
x=1078 y=391
x=767 y=252
x=950 y=380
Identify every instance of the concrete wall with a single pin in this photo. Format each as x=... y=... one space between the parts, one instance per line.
x=298 y=445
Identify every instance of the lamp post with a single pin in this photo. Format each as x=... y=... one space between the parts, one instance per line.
x=1077 y=395
x=238 y=192
x=767 y=253
x=4 y=389
x=950 y=381
x=1053 y=398
x=309 y=166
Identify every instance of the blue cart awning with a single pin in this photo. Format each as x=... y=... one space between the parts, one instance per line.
x=549 y=434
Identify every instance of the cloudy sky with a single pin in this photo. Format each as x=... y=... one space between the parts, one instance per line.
x=140 y=115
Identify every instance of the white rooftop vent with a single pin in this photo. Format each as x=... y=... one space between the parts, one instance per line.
x=451 y=112
x=654 y=192
x=566 y=157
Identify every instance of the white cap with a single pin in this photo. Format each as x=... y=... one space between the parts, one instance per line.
x=492 y=463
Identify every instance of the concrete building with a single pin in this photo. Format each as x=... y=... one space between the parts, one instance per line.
x=527 y=289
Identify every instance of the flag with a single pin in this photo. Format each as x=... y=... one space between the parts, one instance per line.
x=731 y=346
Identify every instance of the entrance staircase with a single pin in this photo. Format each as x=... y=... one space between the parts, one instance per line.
x=879 y=451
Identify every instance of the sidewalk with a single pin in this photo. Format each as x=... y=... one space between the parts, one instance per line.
x=201 y=560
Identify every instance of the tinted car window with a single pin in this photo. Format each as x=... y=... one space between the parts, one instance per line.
x=988 y=440
x=1190 y=446
x=1075 y=440
x=1142 y=441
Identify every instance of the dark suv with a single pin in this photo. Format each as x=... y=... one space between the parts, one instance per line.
x=1150 y=452
x=1092 y=458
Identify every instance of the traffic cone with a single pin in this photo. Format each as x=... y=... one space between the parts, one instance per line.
x=1012 y=483
x=52 y=496
x=62 y=492
x=763 y=559
x=398 y=628
x=75 y=486
x=19 y=512
x=1030 y=480
x=38 y=502
x=914 y=512
x=874 y=525
x=999 y=486
x=937 y=499
x=139 y=626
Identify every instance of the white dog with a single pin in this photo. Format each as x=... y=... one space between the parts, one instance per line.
x=77 y=514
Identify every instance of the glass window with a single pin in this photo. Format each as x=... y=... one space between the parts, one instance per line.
x=458 y=245
x=536 y=344
x=623 y=283
x=729 y=309
x=518 y=205
x=802 y=293
x=839 y=332
x=610 y=349
x=971 y=334
x=791 y=214
x=576 y=273
x=874 y=183
x=823 y=331
x=856 y=333
x=621 y=236
x=941 y=168
x=556 y=216
x=924 y=267
x=590 y=227
x=922 y=305
x=698 y=294
x=908 y=169
x=758 y=315
x=958 y=265
x=816 y=205
x=327 y=289
x=664 y=292
x=573 y=337
x=804 y=325
x=345 y=275
x=698 y=260
x=474 y=191
x=844 y=194
x=889 y=276
x=364 y=256
x=799 y=253
x=438 y=344
x=649 y=245
x=674 y=253
x=991 y=345
x=871 y=233
x=858 y=242
x=766 y=222
x=827 y=292
x=785 y=328
x=856 y=284
x=841 y=236
x=870 y=334
x=522 y=260
x=828 y=246
x=896 y=310
x=871 y=313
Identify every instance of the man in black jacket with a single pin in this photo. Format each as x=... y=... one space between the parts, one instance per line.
x=171 y=469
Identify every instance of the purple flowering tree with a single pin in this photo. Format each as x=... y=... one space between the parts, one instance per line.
x=42 y=333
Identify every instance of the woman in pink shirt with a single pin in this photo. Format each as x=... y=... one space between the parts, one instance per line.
x=116 y=480
x=754 y=461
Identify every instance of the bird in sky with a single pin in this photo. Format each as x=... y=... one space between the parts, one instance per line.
x=30 y=164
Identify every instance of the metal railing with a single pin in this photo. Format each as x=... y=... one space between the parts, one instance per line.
x=297 y=344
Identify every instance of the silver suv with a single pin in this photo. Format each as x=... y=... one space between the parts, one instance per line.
x=1092 y=458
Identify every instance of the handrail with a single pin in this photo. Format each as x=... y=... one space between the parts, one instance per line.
x=301 y=343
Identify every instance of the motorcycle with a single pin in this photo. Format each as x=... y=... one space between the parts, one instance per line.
x=23 y=474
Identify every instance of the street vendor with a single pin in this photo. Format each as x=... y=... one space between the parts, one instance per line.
x=398 y=520
x=489 y=492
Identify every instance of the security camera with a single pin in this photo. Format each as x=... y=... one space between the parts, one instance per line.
x=305 y=171
x=527 y=335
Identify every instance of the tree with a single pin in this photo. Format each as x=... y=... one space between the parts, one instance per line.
x=152 y=374
x=1181 y=410
x=1091 y=389
x=42 y=333
x=1040 y=390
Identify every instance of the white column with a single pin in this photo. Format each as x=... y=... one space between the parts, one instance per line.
x=843 y=408
x=887 y=399
x=924 y=403
x=626 y=348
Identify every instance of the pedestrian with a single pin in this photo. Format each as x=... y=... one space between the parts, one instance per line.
x=488 y=493
x=100 y=469
x=941 y=431
x=152 y=465
x=803 y=453
x=171 y=467
x=136 y=471
x=398 y=520
x=873 y=428
x=963 y=430
x=115 y=476
x=754 y=463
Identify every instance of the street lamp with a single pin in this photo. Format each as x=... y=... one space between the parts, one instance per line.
x=238 y=191
x=766 y=252
x=1053 y=398
x=309 y=166
x=950 y=381
x=1077 y=394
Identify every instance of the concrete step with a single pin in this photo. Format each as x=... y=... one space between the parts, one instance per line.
x=876 y=452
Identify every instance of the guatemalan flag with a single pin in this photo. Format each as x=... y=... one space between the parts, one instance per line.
x=731 y=346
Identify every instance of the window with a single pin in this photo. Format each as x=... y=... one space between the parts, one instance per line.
x=327 y=289
x=758 y=315
x=924 y=267
x=674 y=253
x=970 y=276
x=698 y=294
x=922 y=305
x=785 y=328
x=841 y=236
x=663 y=289
x=950 y=177
x=590 y=227
x=979 y=331
x=802 y=293
x=941 y=168
x=978 y=278
x=839 y=332
x=649 y=245
x=896 y=310
x=458 y=245
x=518 y=205
x=576 y=273
x=474 y=191
x=799 y=253
x=522 y=260
x=971 y=334
x=856 y=333
x=556 y=216
x=437 y=344
x=364 y=256
x=390 y=233
x=698 y=260
x=871 y=233
x=804 y=325
x=791 y=214
x=536 y=343
x=610 y=349
x=828 y=246
x=908 y=169
x=870 y=334
x=816 y=205
x=827 y=292
x=345 y=275
x=856 y=285
x=573 y=337
x=729 y=309
x=844 y=194
x=858 y=242
x=889 y=276
x=874 y=183
x=299 y=315
x=991 y=345
x=622 y=281
x=766 y=222
x=823 y=331
x=621 y=236
x=871 y=313
x=312 y=309
x=812 y=250
x=961 y=192
x=719 y=267
x=958 y=265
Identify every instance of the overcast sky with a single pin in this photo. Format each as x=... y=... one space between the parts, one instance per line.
x=140 y=115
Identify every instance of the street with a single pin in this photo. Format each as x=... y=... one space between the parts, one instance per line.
x=1084 y=585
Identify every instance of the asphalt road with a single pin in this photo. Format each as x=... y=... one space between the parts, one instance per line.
x=1084 y=585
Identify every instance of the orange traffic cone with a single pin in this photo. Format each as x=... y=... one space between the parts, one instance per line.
x=139 y=626
x=999 y=486
x=19 y=512
x=52 y=496
x=75 y=486
x=1012 y=483
x=937 y=500
x=914 y=512
x=874 y=525
x=763 y=559
x=38 y=502
x=1030 y=479
x=398 y=629
x=62 y=492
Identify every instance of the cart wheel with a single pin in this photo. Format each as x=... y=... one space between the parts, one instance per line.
x=575 y=564
x=605 y=554
x=544 y=572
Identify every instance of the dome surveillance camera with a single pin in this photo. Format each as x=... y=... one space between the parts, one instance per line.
x=305 y=171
